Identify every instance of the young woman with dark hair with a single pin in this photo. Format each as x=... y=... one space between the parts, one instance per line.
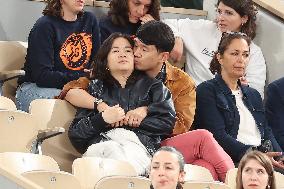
x=125 y=16
x=201 y=39
x=231 y=111
x=61 y=45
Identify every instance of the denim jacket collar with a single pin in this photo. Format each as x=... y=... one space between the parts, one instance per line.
x=225 y=89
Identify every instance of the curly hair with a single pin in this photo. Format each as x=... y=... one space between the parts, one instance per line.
x=263 y=160
x=226 y=39
x=244 y=8
x=119 y=11
x=54 y=7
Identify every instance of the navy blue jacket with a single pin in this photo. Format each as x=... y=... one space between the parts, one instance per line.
x=217 y=112
x=274 y=108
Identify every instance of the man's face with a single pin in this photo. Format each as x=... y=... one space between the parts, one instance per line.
x=146 y=57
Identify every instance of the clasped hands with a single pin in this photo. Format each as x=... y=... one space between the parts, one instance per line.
x=116 y=117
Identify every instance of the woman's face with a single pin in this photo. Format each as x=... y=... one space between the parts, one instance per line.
x=72 y=6
x=235 y=58
x=254 y=175
x=137 y=9
x=165 y=171
x=120 y=58
x=228 y=19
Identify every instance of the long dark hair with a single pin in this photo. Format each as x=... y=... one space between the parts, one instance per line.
x=119 y=11
x=54 y=7
x=181 y=161
x=244 y=7
x=226 y=39
x=99 y=66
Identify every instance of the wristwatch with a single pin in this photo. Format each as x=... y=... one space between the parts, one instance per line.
x=96 y=102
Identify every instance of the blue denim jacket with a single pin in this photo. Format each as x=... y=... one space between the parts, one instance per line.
x=274 y=108
x=217 y=112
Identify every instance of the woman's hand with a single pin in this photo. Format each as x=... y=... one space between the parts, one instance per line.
x=177 y=51
x=243 y=80
x=133 y=118
x=113 y=114
x=146 y=18
x=272 y=156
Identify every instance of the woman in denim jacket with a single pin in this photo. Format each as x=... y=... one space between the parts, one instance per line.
x=233 y=112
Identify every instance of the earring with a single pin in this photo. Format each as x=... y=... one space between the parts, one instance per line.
x=268 y=186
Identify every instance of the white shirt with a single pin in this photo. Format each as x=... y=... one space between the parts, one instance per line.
x=248 y=132
x=201 y=39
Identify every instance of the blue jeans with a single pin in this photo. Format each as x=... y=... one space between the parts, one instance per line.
x=27 y=92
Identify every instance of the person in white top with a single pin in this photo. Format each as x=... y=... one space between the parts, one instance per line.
x=201 y=38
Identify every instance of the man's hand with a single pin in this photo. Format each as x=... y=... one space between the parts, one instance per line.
x=272 y=156
x=177 y=51
x=146 y=18
x=133 y=118
x=113 y=114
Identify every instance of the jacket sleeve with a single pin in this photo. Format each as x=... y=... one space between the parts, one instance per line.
x=256 y=70
x=209 y=117
x=40 y=57
x=88 y=124
x=185 y=104
x=274 y=108
x=81 y=83
x=160 y=118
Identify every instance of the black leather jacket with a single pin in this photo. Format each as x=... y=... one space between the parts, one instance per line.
x=88 y=125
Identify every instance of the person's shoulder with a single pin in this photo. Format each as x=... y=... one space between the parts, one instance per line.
x=207 y=86
x=46 y=20
x=106 y=20
x=255 y=48
x=279 y=84
x=178 y=75
x=89 y=16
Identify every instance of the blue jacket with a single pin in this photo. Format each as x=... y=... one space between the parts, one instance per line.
x=274 y=108
x=216 y=111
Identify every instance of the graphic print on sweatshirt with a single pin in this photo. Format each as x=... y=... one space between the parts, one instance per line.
x=76 y=51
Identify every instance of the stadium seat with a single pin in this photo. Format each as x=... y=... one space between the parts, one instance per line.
x=205 y=185
x=52 y=113
x=53 y=179
x=18 y=131
x=20 y=162
x=12 y=57
x=197 y=173
x=10 y=180
x=89 y=170
x=123 y=182
x=7 y=104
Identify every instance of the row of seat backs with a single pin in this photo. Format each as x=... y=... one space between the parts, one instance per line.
x=19 y=129
x=87 y=170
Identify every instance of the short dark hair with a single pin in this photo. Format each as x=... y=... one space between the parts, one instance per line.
x=156 y=33
x=53 y=8
x=119 y=11
x=99 y=66
x=244 y=7
x=226 y=39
